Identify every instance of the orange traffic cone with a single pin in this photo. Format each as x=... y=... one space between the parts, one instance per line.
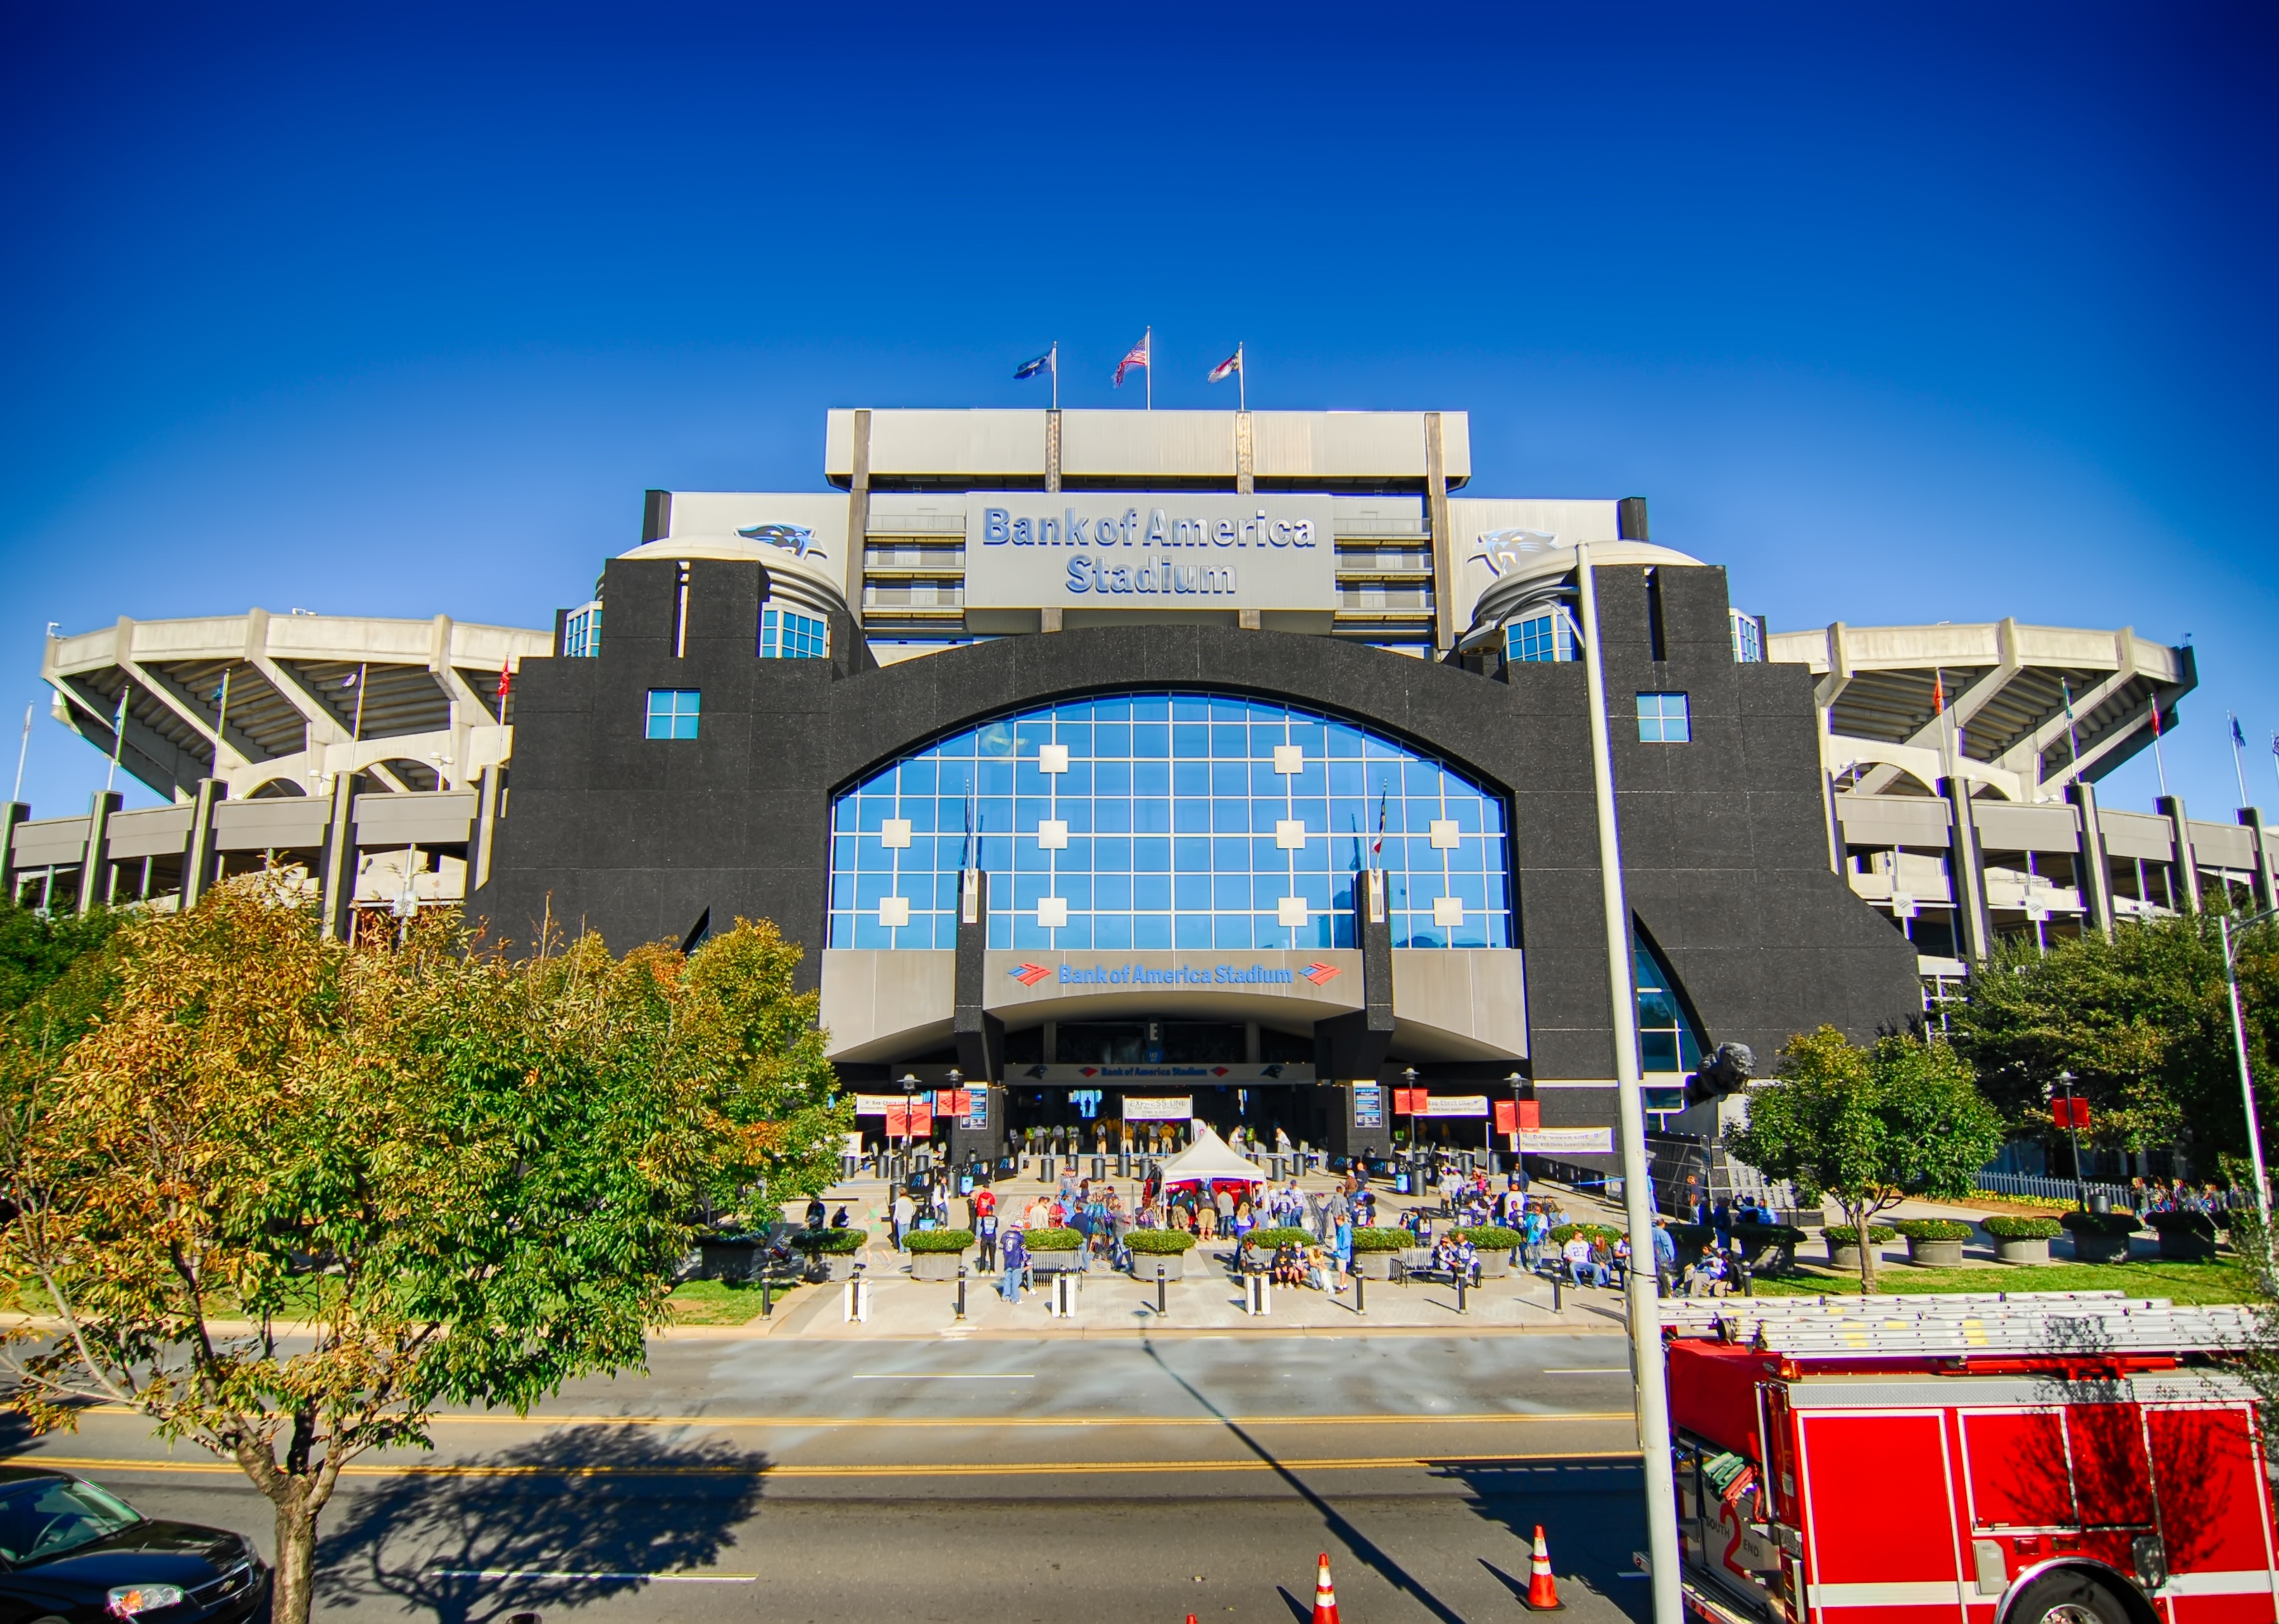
x=1542 y=1594
x=1325 y=1598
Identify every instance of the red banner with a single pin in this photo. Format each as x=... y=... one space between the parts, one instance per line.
x=1409 y=1101
x=954 y=1101
x=913 y=1122
x=1531 y=1115
x=2070 y=1113
x=1507 y=1117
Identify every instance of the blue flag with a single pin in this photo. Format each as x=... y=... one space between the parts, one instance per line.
x=1030 y=369
x=2237 y=737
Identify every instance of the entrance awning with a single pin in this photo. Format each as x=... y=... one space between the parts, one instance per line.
x=1209 y=1157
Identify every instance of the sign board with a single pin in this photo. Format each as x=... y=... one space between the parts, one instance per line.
x=1453 y=1105
x=1198 y=1075
x=977 y=1113
x=913 y=1122
x=1409 y=1101
x=1177 y=1108
x=2070 y=1113
x=1530 y=1114
x=876 y=1105
x=1507 y=1117
x=952 y=1101
x=1141 y=551
x=1569 y=1142
x=1369 y=1106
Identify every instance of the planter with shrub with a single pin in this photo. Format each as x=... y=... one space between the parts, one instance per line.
x=1934 y=1243
x=1495 y=1244
x=834 y=1252
x=1767 y=1248
x=2100 y=1238
x=1159 y=1248
x=1844 y=1243
x=1055 y=1250
x=2022 y=1240
x=1375 y=1250
x=2185 y=1237
x=726 y=1256
x=1289 y=1234
x=935 y=1254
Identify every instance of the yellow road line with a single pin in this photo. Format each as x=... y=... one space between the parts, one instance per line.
x=1032 y=1468
x=541 y=1419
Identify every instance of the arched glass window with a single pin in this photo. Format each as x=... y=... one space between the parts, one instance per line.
x=1168 y=821
x=1667 y=1040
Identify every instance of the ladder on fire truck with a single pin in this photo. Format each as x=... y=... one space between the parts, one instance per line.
x=2083 y=1324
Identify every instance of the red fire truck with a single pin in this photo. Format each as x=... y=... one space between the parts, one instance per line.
x=2044 y=1458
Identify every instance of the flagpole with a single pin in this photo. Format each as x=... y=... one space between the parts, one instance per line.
x=2159 y=765
x=25 y=749
x=118 y=738
x=355 y=728
x=2073 y=739
x=2239 y=772
x=1148 y=340
x=1053 y=360
x=1241 y=379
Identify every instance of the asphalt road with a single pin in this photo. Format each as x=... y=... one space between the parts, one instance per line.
x=999 y=1480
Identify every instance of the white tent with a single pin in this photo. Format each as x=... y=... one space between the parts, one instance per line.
x=1209 y=1157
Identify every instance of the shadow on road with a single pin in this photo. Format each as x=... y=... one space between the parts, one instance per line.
x=1589 y=1509
x=559 y=1522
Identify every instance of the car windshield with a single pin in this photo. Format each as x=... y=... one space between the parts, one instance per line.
x=45 y=1517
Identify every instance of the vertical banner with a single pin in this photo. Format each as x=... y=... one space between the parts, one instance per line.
x=1531 y=1115
x=1369 y=1106
x=1507 y=1117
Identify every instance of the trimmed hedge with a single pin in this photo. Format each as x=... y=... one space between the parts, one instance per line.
x=938 y=1240
x=2100 y=1224
x=1382 y=1240
x=1845 y=1235
x=1490 y=1237
x=830 y=1243
x=1566 y=1232
x=1933 y=1229
x=1286 y=1235
x=2196 y=1224
x=1160 y=1243
x=1054 y=1240
x=1768 y=1234
x=2022 y=1228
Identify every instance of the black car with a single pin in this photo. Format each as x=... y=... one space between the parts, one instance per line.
x=72 y=1552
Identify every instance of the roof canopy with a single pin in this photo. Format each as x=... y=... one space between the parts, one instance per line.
x=1209 y=1158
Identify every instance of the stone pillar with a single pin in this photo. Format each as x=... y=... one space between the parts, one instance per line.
x=91 y=863
x=1354 y=1045
x=338 y=880
x=487 y=790
x=198 y=854
x=858 y=514
x=1052 y=449
x=2093 y=876
x=1245 y=484
x=2184 y=867
x=13 y=814
x=1444 y=561
x=2266 y=892
x=1966 y=877
x=979 y=1035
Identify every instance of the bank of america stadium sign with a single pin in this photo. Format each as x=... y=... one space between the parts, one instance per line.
x=1122 y=550
x=1171 y=975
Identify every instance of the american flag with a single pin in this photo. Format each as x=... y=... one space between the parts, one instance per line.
x=1137 y=355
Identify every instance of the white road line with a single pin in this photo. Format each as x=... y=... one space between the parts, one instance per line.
x=941 y=1375
x=1592 y=1370
x=525 y=1573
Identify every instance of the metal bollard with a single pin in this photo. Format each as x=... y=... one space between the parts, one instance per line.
x=767 y=1308
x=1460 y=1293
x=1558 y=1293
x=1161 y=1308
x=1360 y=1292
x=961 y=1290
x=1748 y=1279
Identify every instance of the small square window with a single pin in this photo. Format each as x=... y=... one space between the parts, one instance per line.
x=672 y=712
x=1664 y=718
x=786 y=634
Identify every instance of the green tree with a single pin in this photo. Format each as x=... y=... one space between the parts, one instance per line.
x=1902 y=1118
x=2142 y=1020
x=449 y=1178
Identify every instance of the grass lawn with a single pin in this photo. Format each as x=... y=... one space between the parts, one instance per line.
x=718 y=1302
x=2218 y=1281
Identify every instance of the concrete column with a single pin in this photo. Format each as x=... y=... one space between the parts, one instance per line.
x=98 y=840
x=2185 y=867
x=858 y=514
x=1966 y=876
x=1052 y=449
x=1444 y=561
x=485 y=831
x=2266 y=892
x=338 y=880
x=1243 y=483
x=1354 y=1045
x=198 y=854
x=2093 y=875
x=979 y=1035
x=12 y=813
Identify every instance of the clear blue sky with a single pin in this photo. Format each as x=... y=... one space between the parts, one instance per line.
x=1902 y=314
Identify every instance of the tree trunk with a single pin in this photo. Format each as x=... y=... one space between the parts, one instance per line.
x=297 y=1557
x=1860 y=1218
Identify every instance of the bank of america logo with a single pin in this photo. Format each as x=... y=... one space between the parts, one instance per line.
x=1321 y=974
x=1028 y=975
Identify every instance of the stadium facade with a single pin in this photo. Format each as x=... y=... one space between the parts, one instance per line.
x=1131 y=764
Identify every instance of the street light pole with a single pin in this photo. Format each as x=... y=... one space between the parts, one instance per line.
x=2073 y=1132
x=2239 y=1050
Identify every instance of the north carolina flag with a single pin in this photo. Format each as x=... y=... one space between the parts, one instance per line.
x=1136 y=356
x=1225 y=369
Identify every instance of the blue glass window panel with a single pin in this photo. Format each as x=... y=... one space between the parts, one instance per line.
x=1230 y=931
x=1226 y=708
x=1658 y=1050
x=1151 y=893
x=1112 y=740
x=1151 y=741
x=993 y=740
x=1191 y=708
x=1029 y=779
x=1346 y=780
x=1191 y=815
x=1151 y=707
x=1264 y=736
x=1191 y=891
x=996 y=852
x=1117 y=707
x=1076 y=934
x=1028 y=935
x=842 y=888
x=1111 y=817
x=1192 y=931
x=1112 y=892
x=1028 y=810
x=1151 y=778
x=1112 y=931
x=673 y=712
x=1027 y=736
x=1230 y=742
x=1151 y=855
x=1230 y=816
x=992 y=780
x=1026 y=889
x=1076 y=782
x=1190 y=855
x=1151 y=931
x=1028 y=856
x=1228 y=856
x=1190 y=741
x=1111 y=855
x=1316 y=888
x=1228 y=779
x=1314 y=855
x=1229 y=891
x=1076 y=890
x=1268 y=858
x=1076 y=736
x=1664 y=718
x=1111 y=781
x=1191 y=779
x=870 y=933
x=958 y=780
x=917 y=778
x=1076 y=858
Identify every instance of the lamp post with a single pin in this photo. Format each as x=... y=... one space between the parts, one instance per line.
x=2239 y=1050
x=2073 y=1132
x=909 y=1094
